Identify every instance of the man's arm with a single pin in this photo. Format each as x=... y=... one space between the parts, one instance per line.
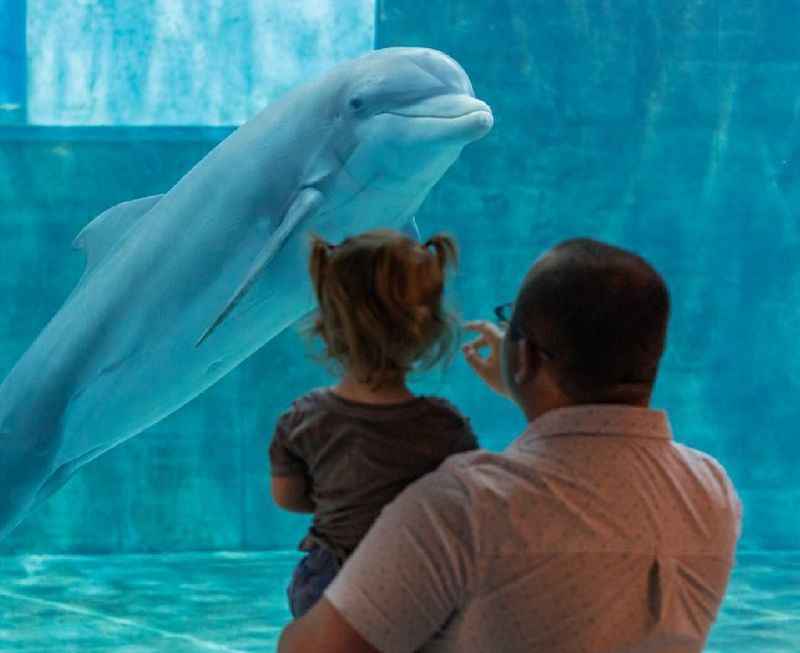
x=408 y=576
x=323 y=630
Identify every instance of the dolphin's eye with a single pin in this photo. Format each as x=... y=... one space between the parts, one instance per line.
x=356 y=103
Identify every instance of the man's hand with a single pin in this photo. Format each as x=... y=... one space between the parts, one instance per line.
x=487 y=368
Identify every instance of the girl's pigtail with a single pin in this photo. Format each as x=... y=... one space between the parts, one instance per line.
x=318 y=263
x=445 y=250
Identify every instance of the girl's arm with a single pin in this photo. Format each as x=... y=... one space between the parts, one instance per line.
x=292 y=493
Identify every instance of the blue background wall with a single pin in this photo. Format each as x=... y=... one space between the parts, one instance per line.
x=668 y=126
x=12 y=61
x=180 y=62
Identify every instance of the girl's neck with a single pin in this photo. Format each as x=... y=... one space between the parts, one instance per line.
x=389 y=393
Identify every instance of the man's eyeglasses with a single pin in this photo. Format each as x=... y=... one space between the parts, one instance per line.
x=503 y=314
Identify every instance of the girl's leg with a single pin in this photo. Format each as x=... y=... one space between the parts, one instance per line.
x=311 y=576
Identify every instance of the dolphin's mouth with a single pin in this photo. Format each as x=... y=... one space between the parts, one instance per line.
x=453 y=116
x=447 y=107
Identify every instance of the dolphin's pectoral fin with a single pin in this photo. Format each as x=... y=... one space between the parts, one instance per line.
x=412 y=230
x=307 y=201
x=99 y=236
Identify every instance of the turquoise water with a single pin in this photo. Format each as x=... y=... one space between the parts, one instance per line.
x=670 y=127
x=233 y=602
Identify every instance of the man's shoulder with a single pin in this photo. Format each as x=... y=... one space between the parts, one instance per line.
x=454 y=472
x=469 y=462
x=714 y=479
x=704 y=462
x=463 y=477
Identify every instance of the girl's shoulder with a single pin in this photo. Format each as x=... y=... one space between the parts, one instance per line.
x=310 y=401
x=446 y=413
x=443 y=407
x=449 y=421
x=305 y=405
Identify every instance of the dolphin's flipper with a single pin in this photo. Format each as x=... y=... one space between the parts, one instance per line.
x=305 y=204
x=101 y=234
x=412 y=230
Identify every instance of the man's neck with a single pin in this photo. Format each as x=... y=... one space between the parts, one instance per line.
x=537 y=408
x=547 y=401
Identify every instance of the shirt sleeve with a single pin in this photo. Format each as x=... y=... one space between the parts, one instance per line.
x=283 y=460
x=412 y=571
x=737 y=507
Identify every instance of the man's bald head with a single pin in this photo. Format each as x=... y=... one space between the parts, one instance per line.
x=602 y=313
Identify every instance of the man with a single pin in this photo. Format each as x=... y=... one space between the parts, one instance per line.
x=593 y=531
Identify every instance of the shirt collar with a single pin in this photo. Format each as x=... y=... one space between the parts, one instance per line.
x=601 y=419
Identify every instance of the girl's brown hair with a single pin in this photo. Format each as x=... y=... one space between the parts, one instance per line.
x=380 y=303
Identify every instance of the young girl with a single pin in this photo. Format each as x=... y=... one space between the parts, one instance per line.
x=346 y=451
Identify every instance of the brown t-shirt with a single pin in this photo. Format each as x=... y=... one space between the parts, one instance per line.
x=359 y=457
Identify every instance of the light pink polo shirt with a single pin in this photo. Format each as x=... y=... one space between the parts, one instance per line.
x=593 y=532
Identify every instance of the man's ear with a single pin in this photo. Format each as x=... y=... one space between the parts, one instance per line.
x=524 y=371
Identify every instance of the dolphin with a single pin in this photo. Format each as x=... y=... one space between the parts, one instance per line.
x=180 y=288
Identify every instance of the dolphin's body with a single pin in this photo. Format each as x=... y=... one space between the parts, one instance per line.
x=180 y=288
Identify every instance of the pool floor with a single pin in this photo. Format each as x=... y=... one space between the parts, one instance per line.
x=235 y=603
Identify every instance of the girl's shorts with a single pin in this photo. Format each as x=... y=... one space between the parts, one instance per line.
x=311 y=576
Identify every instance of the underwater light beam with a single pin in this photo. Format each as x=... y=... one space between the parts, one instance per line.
x=219 y=261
